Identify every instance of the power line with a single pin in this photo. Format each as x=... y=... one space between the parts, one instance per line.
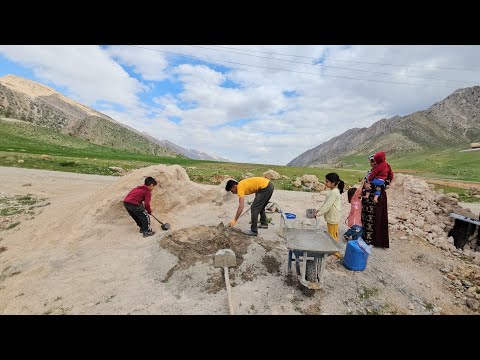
x=337 y=67
x=293 y=71
x=354 y=61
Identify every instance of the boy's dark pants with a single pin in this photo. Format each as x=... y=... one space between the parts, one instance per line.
x=140 y=215
x=261 y=200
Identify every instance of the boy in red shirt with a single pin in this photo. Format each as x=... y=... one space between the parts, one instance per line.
x=133 y=204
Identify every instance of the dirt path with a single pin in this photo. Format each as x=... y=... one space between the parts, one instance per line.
x=75 y=257
x=454 y=183
x=474 y=207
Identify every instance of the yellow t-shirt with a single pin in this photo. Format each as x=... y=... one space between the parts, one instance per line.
x=251 y=185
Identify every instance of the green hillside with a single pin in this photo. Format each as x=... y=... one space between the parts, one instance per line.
x=100 y=131
x=22 y=144
x=441 y=163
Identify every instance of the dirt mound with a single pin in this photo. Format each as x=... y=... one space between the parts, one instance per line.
x=173 y=192
x=424 y=213
x=200 y=243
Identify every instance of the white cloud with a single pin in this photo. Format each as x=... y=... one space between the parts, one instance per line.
x=87 y=71
x=150 y=65
x=254 y=121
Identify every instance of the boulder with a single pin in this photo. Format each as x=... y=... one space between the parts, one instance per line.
x=271 y=175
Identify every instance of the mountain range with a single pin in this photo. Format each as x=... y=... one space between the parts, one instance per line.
x=36 y=103
x=453 y=122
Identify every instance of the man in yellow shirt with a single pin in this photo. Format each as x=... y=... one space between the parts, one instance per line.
x=263 y=189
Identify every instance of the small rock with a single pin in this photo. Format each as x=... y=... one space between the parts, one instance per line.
x=27 y=184
x=411 y=306
x=290 y=296
x=473 y=304
x=118 y=170
x=41 y=204
x=418 y=232
x=451 y=277
x=467 y=283
x=403 y=237
x=435 y=310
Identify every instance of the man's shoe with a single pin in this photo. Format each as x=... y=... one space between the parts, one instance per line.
x=251 y=233
x=141 y=230
x=263 y=226
x=148 y=233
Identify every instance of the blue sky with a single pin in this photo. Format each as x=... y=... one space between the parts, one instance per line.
x=262 y=103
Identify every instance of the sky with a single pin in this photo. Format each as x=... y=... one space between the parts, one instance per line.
x=262 y=104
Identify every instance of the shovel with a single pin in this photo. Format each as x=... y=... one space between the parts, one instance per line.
x=226 y=258
x=240 y=215
x=164 y=226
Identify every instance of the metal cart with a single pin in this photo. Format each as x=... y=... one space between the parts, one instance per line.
x=464 y=228
x=309 y=248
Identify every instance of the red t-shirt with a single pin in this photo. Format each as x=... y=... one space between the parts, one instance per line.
x=139 y=194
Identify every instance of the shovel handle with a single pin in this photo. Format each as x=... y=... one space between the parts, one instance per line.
x=245 y=212
x=156 y=219
x=229 y=291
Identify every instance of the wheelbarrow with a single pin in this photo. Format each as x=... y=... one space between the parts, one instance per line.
x=309 y=248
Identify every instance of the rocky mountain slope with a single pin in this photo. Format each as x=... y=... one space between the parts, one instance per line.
x=452 y=122
x=190 y=153
x=39 y=104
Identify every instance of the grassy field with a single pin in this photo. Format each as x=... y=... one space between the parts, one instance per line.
x=463 y=194
x=21 y=145
x=445 y=164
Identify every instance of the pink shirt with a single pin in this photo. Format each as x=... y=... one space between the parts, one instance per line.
x=355 y=215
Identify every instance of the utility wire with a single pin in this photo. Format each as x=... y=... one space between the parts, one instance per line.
x=353 y=61
x=292 y=71
x=337 y=67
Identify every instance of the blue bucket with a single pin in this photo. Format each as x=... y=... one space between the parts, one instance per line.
x=355 y=257
x=290 y=215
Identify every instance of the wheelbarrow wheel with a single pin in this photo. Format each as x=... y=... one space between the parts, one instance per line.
x=311 y=271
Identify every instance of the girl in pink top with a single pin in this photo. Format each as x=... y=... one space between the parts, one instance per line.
x=354 y=219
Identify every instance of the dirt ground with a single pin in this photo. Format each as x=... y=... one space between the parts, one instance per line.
x=80 y=253
x=454 y=183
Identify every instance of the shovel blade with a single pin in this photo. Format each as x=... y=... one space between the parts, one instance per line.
x=225 y=258
x=165 y=226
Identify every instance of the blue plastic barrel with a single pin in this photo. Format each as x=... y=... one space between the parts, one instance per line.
x=355 y=257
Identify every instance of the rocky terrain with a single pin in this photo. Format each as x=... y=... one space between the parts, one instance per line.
x=189 y=153
x=452 y=122
x=80 y=252
x=38 y=104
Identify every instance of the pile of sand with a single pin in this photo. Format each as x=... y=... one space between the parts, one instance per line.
x=173 y=192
